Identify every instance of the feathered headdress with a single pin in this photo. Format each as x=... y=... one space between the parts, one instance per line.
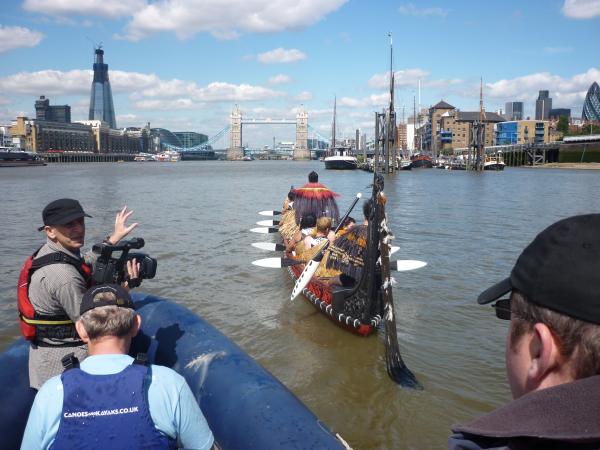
x=316 y=199
x=348 y=251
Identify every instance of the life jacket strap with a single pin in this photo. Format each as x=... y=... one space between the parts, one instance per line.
x=141 y=359
x=69 y=362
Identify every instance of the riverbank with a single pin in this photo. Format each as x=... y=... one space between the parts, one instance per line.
x=585 y=166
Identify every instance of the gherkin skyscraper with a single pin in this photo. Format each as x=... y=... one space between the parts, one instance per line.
x=591 y=106
x=101 y=101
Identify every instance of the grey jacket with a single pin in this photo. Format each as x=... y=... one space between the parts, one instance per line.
x=55 y=289
x=562 y=417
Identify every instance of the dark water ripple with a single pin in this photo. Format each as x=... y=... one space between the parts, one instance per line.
x=195 y=219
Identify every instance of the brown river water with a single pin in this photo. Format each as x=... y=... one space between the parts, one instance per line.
x=195 y=217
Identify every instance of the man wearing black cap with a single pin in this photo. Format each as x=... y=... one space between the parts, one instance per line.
x=51 y=288
x=112 y=401
x=553 y=345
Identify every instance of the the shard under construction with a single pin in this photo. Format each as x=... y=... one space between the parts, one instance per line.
x=101 y=101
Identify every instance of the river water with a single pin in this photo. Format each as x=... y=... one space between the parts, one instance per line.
x=195 y=218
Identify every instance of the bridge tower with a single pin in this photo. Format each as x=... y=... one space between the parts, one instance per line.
x=301 y=150
x=235 y=145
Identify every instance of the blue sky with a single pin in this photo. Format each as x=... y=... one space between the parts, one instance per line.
x=184 y=64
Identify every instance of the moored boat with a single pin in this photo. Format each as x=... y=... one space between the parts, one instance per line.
x=16 y=157
x=494 y=162
x=244 y=405
x=421 y=161
x=341 y=158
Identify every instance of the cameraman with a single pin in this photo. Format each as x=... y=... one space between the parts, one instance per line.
x=52 y=283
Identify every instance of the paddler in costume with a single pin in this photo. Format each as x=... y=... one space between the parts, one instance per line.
x=287 y=223
x=346 y=255
x=316 y=199
x=306 y=229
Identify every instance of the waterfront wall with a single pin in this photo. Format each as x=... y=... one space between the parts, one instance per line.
x=580 y=152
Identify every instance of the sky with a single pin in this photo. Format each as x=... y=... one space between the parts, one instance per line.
x=184 y=64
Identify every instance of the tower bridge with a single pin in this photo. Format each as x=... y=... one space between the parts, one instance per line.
x=235 y=150
x=236 y=123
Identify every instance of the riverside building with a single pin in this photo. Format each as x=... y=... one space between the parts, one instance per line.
x=521 y=132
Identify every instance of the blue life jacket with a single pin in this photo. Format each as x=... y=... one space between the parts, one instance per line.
x=107 y=411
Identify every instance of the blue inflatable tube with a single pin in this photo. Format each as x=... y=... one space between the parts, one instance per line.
x=245 y=406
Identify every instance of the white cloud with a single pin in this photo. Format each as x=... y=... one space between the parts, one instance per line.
x=410 y=9
x=17 y=37
x=111 y=9
x=225 y=19
x=565 y=92
x=410 y=77
x=176 y=104
x=281 y=55
x=48 y=82
x=303 y=96
x=581 y=9
x=373 y=100
x=139 y=85
x=280 y=79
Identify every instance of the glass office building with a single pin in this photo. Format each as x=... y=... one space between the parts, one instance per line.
x=101 y=101
x=591 y=106
x=513 y=110
x=190 y=138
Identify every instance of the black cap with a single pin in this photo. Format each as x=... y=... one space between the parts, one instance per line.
x=92 y=299
x=61 y=212
x=313 y=177
x=559 y=270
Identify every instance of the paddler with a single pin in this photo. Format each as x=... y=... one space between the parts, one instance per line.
x=316 y=199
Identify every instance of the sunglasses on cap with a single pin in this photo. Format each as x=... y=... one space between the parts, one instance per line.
x=504 y=312
x=502 y=308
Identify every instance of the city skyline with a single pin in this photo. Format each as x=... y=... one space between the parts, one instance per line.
x=184 y=68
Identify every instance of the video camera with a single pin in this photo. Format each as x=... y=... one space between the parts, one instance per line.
x=109 y=269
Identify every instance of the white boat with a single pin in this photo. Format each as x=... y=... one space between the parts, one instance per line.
x=168 y=156
x=16 y=157
x=494 y=162
x=341 y=159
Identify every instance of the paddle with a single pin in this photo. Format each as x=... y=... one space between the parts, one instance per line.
x=269 y=213
x=404 y=265
x=265 y=230
x=276 y=263
x=267 y=223
x=396 y=369
x=313 y=264
x=269 y=246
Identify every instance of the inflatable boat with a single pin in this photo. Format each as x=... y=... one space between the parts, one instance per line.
x=245 y=406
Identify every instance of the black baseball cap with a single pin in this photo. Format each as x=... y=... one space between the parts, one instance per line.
x=559 y=270
x=61 y=212
x=92 y=298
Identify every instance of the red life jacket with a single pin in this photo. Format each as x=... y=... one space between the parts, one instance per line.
x=35 y=326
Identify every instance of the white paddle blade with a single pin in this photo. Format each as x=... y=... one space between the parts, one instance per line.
x=264 y=230
x=393 y=249
x=271 y=263
x=404 y=265
x=269 y=213
x=304 y=278
x=270 y=246
x=267 y=223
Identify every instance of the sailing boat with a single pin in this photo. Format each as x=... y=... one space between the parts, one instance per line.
x=339 y=157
